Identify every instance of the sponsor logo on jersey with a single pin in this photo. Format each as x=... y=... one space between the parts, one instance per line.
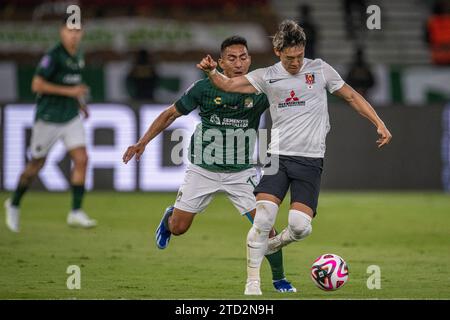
x=239 y=123
x=291 y=101
x=215 y=119
x=292 y=97
x=72 y=79
x=218 y=100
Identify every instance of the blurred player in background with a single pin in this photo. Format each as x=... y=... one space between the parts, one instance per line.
x=296 y=88
x=60 y=98
x=220 y=111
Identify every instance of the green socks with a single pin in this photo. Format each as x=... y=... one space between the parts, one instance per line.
x=77 y=196
x=276 y=264
x=18 y=194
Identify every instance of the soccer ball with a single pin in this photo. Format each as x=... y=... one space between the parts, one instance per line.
x=329 y=272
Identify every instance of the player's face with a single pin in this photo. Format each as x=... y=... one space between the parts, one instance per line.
x=235 y=60
x=71 y=37
x=292 y=58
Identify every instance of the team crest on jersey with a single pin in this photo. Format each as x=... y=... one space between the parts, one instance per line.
x=74 y=65
x=309 y=78
x=218 y=100
x=248 y=102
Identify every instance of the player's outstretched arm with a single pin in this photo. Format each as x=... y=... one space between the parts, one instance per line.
x=164 y=120
x=237 y=84
x=41 y=86
x=363 y=107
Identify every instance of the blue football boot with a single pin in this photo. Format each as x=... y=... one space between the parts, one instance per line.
x=284 y=286
x=163 y=233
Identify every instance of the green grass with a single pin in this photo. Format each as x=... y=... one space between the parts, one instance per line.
x=406 y=234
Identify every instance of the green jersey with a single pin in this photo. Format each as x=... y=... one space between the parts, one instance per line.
x=224 y=140
x=60 y=68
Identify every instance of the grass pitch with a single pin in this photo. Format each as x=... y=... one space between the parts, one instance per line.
x=406 y=234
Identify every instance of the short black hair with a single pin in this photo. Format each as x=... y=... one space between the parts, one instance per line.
x=232 y=41
x=64 y=19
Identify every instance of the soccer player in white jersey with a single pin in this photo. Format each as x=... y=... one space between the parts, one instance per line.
x=297 y=91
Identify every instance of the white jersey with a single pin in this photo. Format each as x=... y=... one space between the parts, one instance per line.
x=298 y=106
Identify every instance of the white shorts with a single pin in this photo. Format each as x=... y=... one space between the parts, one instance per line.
x=200 y=185
x=45 y=134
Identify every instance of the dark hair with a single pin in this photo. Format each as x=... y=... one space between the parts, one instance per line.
x=64 y=20
x=289 y=34
x=232 y=41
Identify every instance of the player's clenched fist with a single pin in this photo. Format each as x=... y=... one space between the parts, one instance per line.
x=207 y=64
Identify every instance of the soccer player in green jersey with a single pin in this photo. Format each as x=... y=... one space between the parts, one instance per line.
x=60 y=98
x=222 y=114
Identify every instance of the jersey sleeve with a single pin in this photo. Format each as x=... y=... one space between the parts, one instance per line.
x=256 y=78
x=333 y=80
x=46 y=66
x=190 y=100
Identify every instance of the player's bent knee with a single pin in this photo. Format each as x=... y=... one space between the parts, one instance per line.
x=178 y=230
x=266 y=212
x=33 y=167
x=180 y=222
x=300 y=233
x=299 y=224
x=81 y=161
x=179 y=227
x=37 y=163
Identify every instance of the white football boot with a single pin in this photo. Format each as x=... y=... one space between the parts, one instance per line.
x=12 y=216
x=78 y=218
x=252 y=288
x=273 y=245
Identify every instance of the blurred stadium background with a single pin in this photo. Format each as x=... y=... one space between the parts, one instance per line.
x=140 y=56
